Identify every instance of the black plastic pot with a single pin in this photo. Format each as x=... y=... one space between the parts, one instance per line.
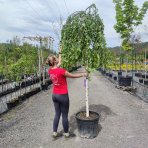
x=145 y=82
x=31 y=93
x=1 y=94
x=38 y=89
x=107 y=74
x=44 y=86
x=110 y=75
x=28 y=94
x=103 y=72
x=49 y=82
x=124 y=81
x=22 y=97
x=88 y=128
x=115 y=78
x=99 y=69
x=35 y=91
x=138 y=74
x=3 y=82
x=9 y=90
x=119 y=73
x=12 y=103
x=22 y=84
x=140 y=80
x=144 y=76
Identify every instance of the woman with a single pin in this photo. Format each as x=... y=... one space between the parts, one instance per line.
x=60 y=92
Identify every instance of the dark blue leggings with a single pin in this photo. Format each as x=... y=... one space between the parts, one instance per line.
x=61 y=104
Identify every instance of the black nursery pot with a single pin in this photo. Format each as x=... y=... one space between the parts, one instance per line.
x=104 y=71
x=140 y=80
x=146 y=82
x=88 y=128
x=144 y=76
x=125 y=81
x=138 y=74
x=31 y=93
x=110 y=75
x=44 y=86
x=107 y=74
x=22 y=97
x=38 y=89
x=12 y=104
x=49 y=82
x=115 y=78
x=28 y=94
x=119 y=73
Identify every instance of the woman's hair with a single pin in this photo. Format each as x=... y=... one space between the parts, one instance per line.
x=51 y=60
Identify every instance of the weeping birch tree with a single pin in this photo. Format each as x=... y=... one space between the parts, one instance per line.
x=83 y=40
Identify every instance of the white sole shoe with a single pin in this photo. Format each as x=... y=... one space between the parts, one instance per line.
x=66 y=135
x=54 y=134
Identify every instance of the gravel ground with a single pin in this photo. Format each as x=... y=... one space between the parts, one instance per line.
x=123 y=122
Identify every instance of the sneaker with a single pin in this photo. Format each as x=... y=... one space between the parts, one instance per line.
x=69 y=135
x=66 y=135
x=55 y=134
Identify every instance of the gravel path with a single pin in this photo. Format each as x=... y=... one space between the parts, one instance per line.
x=123 y=123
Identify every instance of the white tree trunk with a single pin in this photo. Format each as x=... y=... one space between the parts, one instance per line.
x=87 y=104
x=127 y=65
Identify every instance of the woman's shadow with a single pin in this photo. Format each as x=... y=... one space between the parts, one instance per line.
x=102 y=110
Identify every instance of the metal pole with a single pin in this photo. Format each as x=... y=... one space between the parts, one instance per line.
x=145 y=63
x=135 y=59
x=42 y=62
x=132 y=66
x=120 y=59
x=39 y=65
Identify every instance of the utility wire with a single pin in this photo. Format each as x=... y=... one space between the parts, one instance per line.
x=39 y=14
x=58 y=8
x=60 y=16
x=66 y=7
x=54 y=30
x=52 y=10
x=36 y=12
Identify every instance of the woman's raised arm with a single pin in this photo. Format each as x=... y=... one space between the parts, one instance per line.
x=60 y=57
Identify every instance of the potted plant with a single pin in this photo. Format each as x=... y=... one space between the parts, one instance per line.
x=127 y=19
x=14 y=78
x=12 y=103
x=140 y=80
x=83 y=40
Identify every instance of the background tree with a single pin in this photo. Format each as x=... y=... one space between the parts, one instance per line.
x=128 y=16
x=16 y=60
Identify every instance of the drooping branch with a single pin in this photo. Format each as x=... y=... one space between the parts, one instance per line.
x=83 y=38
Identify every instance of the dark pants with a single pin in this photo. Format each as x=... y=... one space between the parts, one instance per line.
x=61 y=104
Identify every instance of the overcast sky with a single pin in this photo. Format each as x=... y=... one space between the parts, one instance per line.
x=36 y=17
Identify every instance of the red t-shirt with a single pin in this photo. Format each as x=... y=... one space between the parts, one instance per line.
x=59 y=80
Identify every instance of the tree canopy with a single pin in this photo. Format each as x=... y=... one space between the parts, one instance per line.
x=83 y=39
x=128 y=16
